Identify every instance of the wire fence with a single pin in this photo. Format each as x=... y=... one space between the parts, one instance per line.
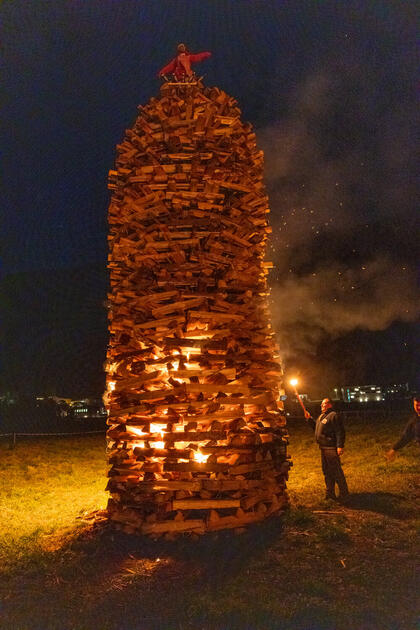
x=348 y=416
x=14 y=435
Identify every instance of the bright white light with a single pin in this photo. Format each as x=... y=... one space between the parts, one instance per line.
x=293 y=382
x=200 y=457
x=157 y=444
x=157 y=428
x=135 y=430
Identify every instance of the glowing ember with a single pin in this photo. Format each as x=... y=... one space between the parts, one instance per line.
x=111 y=385
x=157 y=428
x=157 y=444
x=200 y=457
x=112 y=367
x=135 y=430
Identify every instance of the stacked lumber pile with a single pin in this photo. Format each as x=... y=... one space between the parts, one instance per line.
x=197 y=437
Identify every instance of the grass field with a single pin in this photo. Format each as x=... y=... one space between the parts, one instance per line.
x=320 y=567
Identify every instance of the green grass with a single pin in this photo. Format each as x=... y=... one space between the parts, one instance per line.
x=46 y=485
x=321 y=567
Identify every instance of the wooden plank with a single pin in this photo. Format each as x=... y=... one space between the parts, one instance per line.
x=194 y=436
x=205 y=504
x=195 y=467
x=135 y=381
x=171 y=485
x=114 y=413
x=177 y=306
x=196 y=525
x=231 y=522
x=212 y=315
x=155 y=323
x=230 y=185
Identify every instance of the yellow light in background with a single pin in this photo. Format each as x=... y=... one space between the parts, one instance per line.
x=293 y=382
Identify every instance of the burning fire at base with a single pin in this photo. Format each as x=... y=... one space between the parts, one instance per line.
x=197 y=437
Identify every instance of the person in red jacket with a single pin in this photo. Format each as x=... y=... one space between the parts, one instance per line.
x=180 y=66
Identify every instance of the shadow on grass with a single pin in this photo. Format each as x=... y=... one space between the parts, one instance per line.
x=111 y=580
x=385 y=503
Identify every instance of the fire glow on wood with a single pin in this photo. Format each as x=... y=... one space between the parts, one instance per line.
x=197 y=437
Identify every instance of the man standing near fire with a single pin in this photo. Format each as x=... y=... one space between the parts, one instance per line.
x=411 y=431
x=330 y=436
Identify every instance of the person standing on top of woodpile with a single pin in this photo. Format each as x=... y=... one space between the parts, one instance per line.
x=411 y=431
x=330 y=436
x=180 y=66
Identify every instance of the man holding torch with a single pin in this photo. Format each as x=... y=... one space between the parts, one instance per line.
x=330 y=436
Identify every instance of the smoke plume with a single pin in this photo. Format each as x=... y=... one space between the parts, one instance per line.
x=339 y=170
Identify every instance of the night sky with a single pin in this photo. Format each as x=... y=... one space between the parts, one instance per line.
x=330 y=89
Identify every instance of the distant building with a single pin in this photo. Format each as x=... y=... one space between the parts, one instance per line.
x=374 y=393
x=86 y=409
x=393 y=392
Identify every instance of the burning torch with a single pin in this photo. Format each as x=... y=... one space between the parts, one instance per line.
x=293 y=383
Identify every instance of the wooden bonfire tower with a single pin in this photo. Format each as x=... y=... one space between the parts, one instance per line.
x=197 y=437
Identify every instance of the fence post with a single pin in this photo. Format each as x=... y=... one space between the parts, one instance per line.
x=13 y=440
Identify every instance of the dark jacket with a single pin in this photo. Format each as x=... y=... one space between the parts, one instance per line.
x=411 y=432
x=329 y=429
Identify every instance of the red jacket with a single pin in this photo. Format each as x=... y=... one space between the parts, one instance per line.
x=180 y=66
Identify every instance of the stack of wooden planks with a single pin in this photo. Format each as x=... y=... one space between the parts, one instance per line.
x=197 y=438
